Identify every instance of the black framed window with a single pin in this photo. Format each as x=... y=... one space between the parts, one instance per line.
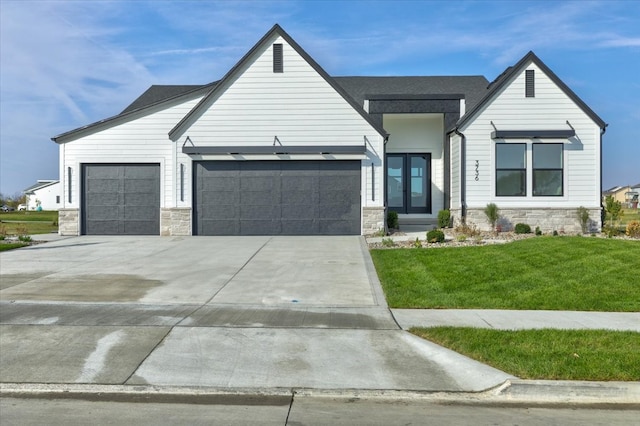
x=511 y=169
x=548 y=169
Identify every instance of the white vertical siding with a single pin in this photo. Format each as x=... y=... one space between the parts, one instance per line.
x=420 y=133
x=142 y=139
x=548 y=110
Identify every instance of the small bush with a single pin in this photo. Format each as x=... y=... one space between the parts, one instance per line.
x=555 y=233
x=633 y=229
x=538 y=231
x=493 y=214
x=417 y=243
x=583 y=217
x=461 y=238
x=435 y=236
x=392 y=220
x=25 y=238
x=444 y=218
x=522 y=228
x=467 y=229
x=388 y=242
x=610 y=231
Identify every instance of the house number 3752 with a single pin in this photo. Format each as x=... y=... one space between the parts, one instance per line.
x=477 y=170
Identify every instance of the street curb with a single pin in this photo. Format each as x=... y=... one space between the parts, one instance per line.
x=511 y=392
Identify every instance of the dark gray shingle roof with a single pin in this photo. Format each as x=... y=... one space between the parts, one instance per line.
x=159 y=93
x=359 y=88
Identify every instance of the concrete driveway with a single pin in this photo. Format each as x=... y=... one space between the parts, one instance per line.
x=236 y=312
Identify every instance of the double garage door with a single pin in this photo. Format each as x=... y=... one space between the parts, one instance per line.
x=277 y=198
x=230 y=198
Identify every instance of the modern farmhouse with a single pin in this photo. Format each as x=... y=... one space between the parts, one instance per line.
x=277 y=146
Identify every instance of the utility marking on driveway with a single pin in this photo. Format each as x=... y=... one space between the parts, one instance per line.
x=96 y=361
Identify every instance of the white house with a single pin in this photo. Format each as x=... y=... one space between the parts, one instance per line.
x=45 y=194
x=277 y=146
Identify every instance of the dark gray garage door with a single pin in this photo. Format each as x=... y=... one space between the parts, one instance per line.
x=121 y=199
x=277 y=198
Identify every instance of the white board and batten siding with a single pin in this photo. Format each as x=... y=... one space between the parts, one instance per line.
x=455 y=171
x=548 y=110
x=298 y=106
x=142 y=139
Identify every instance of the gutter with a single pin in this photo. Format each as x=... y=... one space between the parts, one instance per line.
x=463 y=173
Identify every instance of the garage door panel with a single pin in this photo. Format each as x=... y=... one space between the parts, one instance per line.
x=257 y=212
x=219 y=197
x=335 y=227
x=107 y=212
x=121 y=199
x=299 y=211
x=277 y=197
x=299 y=183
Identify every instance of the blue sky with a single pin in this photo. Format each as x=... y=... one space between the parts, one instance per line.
x=65 y=64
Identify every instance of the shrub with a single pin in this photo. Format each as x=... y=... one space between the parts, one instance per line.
x=461 y=238
x=25 y=238
x=444 y=218
x=610 y=231
x=614 y=209
x=583 y=217
x=538 y=231
x=522 y=228
x=493 y=214
x=467 y=229
x=388 y=242
x=555 y=233
x=417 y=243
x=435 y=236
x=633 y=229
x=392 y=220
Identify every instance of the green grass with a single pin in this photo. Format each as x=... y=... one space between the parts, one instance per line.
x=11 y=246
x=555 y=273
x=28 y=222
x=547 y=354
x=629 y=215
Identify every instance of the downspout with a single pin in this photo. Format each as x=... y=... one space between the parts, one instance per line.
x=603 y=130
x=384 y=181
x=463 y=174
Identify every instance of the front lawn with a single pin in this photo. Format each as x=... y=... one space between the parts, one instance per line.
x=555 y=273
x=547 y=354
x=10 y=246
x=28 y=222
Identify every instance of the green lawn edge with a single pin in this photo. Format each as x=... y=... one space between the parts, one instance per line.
x=546 y=354
x=543 y=273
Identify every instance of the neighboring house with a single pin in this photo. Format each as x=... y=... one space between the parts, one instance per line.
x=45 y=194
x=627 y=195
x=277 y=146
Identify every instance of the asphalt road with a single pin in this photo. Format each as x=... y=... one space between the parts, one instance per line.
x=301 y=411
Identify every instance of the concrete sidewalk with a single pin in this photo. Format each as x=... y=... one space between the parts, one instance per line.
x=517 y=320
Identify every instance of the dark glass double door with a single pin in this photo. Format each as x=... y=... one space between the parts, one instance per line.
x=409 y=183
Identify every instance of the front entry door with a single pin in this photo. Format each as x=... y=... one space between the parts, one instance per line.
x=409 y=183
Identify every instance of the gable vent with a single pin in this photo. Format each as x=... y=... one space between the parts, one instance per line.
x=529 y=81
x=277 y=58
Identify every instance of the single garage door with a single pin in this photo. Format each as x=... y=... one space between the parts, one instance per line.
x=277 y=198
x=121 y=199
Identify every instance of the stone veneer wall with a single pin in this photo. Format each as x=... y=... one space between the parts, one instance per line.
x=175 y=221
x=372 y=220
x=548 y=219
x=69 y=222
